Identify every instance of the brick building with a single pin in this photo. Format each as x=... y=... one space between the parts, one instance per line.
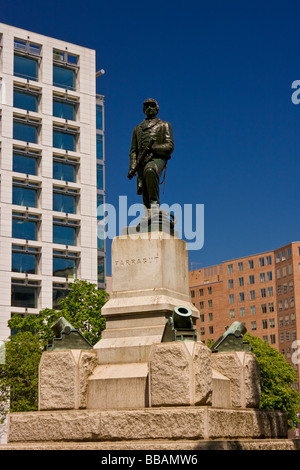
x=262 y=291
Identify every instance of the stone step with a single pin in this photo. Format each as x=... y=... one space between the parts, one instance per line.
x=153 y=445
x=133 y=331
x=142 y=425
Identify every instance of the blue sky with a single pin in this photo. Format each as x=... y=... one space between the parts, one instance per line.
x=222 y=73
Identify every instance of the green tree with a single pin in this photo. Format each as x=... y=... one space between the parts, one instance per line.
x=277 y=379
x=19 y=374
x=82 y=308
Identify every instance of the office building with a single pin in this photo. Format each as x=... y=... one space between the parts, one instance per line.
x=262 y=291
x=52 y=171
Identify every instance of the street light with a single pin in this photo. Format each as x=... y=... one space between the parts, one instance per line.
x=100 y=72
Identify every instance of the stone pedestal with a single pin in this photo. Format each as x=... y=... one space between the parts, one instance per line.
x=180 y=373
x=242 y=370
x=63 y=378
x=139 y=389
x=149 y=279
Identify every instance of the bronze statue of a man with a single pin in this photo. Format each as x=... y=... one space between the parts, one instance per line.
x=152 y=144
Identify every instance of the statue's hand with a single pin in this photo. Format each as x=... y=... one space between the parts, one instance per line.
x=130 y=174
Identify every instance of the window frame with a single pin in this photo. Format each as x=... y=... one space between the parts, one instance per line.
x=28 y=120
x=27 y=217
x=27 y=152
x=69 y=223
x=66 y=191
x=66 y=255
x=68 y=130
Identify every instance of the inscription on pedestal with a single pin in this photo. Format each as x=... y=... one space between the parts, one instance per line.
x=136 y=261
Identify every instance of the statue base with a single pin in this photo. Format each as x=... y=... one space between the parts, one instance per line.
x=155 y=220
x=166 y=428
x=148 y=384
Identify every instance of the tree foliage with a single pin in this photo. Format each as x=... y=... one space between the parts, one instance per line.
x=19 y=374
x=82 y=308
x=277 y=378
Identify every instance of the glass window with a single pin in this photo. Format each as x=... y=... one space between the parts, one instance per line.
x=251 y=279
x=64 y=232
x=24 y=294
x=25 y=67
x=64 y=171
x=24 y=260
x=100 y=236
x=64 y=77
x=64 y=109
x=25 y=163
x=65 y=57
x=251 y=264
x=26 y=46
x=263 y=308
x=26 y=130
x=25 y=99
x=100 y=269
x=99 y=117
x=64 y=139
x=252 y=294
x=269 y=259
x=270 y=291
x=99 y=143
x=25 y=193
x=60 y=292
x=100 y=206
x=65 y=264
x=64 y=200
x=25 y=226
x=99 y=176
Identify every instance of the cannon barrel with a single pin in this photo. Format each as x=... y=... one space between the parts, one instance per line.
x=61 y=326
x=182 y=317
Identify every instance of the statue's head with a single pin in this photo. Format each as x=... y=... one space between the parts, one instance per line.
x=150 y=107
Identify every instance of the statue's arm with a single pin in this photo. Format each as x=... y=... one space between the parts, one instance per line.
x=133 y=150
x=164 y=147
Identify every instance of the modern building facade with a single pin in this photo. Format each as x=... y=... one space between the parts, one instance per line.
x=52 y=171
x=262 y=291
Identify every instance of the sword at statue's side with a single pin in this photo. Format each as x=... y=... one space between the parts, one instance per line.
x=145 y=152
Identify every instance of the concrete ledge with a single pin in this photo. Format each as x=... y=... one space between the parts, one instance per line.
x=243 y=444
x=118 y=386
x=172 y=423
